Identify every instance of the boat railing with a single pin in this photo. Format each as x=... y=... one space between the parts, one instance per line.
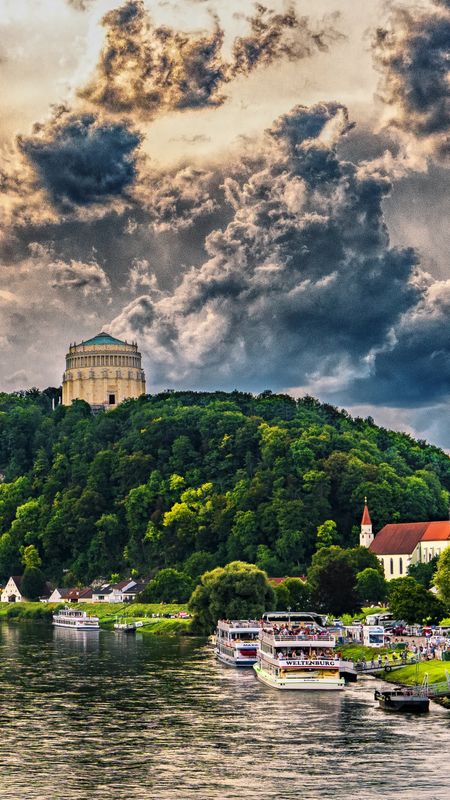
x=295 y=637
x=238 y=623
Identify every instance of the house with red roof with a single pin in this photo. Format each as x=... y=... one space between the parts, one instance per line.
x=399 y=545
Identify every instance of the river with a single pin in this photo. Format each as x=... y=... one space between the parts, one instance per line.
x=105 y=716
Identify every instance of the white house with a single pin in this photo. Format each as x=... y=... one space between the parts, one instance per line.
x=123 y=592
x=11 y=593
x=400 y=545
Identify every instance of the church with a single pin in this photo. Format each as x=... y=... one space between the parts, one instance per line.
x=103 y=371
x=400 y=545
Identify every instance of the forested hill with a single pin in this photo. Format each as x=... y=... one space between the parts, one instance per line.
x=195 y=480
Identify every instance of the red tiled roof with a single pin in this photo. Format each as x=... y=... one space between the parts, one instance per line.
x=366 y=516
x=403 y=537
x=398 y=539
x=439 y=531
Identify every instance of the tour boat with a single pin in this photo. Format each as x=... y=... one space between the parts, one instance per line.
x=237 y=642
x=411 y=699
x=296 y=651
x=73 y=618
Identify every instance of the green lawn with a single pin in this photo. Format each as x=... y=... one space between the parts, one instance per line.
x=408 y=675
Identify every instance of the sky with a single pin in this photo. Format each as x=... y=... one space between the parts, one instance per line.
x=258 y=194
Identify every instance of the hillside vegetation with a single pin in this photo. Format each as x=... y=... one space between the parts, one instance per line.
x=195 y=480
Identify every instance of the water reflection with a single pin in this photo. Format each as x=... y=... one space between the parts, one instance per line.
x=108 y=715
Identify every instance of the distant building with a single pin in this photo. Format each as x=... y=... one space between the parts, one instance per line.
x=70 y=595
x=400 y=545
x=12 y=592
x=123 y=592
x=103 y=371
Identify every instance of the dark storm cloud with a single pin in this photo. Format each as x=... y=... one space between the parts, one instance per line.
x=301 y=282
x=273 y=36
x=82 y=160
x=412 y=54
x=414 y=369
x=150 y=70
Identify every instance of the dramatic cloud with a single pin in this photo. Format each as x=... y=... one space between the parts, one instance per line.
x=413 y=368
x=176 y=199
x=151 y=70
x=274 y=36
x=302 y=282
x=82 y=160
x=412 y=54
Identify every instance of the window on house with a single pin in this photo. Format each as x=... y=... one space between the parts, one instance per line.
x=400 y=566
x=392 y=566
x=112 y=399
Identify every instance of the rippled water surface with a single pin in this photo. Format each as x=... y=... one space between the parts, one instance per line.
x=117 y=717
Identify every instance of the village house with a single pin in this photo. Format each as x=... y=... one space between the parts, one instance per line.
x=75 y=595
x=122 y=592
x=12 y=593
x=400 y=545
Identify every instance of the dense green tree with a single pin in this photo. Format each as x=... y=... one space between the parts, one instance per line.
x=332 y=581
x=410 y=601
x=33 y=583
x=424 y=572
x=236 y=591
x=31 y=558
x=299 y=593
x=371 y=586
x=326 y=534
x=168 y=586
x=442 y=577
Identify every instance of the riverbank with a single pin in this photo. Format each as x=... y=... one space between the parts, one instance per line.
x=108 y=614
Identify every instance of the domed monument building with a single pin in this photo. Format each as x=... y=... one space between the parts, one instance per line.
x=103 y=371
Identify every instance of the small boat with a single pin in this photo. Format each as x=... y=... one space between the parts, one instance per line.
x=237 y=642
x=400 y=698
x=75 y=619
x=128 y=627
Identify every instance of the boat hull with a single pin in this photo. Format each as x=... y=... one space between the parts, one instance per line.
x=235 y=662
x=299 y=684
x=76 y=627
x=412 y=704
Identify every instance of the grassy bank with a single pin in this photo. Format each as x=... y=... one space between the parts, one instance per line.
x=107 y=614
x=410 y=674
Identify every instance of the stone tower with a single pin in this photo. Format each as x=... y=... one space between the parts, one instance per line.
x=103 y=371
x=366 y=536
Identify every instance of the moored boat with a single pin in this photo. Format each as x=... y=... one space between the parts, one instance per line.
x=298 y=653
x=128 y=627
x=237 y=642
x=403 y=699
x=75 y=619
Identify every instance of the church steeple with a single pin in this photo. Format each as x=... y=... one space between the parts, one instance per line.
x=366 y=536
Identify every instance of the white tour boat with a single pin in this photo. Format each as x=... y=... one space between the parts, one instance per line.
x=297 y=652
x=237 y=642
x=76 y=619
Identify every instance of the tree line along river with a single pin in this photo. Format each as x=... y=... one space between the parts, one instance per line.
x=103 y=715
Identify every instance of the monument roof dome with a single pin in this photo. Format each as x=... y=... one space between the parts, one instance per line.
x=103 y=338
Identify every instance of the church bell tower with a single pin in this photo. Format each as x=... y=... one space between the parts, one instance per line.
x=366 y=536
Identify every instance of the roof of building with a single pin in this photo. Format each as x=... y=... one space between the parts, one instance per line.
x=437 y=531
x=366 y=516
x=103 y=338
x=17 y=580
x=402 y=538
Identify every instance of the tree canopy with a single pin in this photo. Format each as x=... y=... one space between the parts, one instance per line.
x=237 y=591
x=192 y=480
